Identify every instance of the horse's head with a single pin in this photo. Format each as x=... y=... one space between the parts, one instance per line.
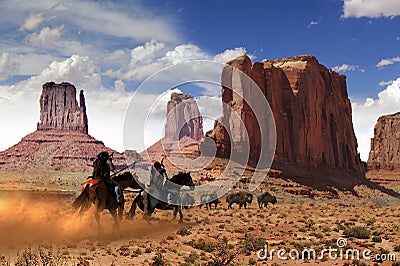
x=183 y=179
x=127 y=179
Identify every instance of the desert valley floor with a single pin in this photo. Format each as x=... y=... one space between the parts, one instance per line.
x=38 y=226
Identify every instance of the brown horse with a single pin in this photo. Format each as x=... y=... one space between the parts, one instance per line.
x=98 y=194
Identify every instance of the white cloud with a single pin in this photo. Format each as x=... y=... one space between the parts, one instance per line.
x=7 y=67
x=154 y=56
x=386 y=83
x=33 y=22
x=371 y=8
x=386 y=62
x=106 y=107
x=313 y=23
x=230 y=54
x=366 y=114
x=47 y=37
x=122 y=19
x=344 y=68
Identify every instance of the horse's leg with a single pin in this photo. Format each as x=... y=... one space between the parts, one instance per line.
x=175 y=213
x=132 y=210
x=97 y=217
x=115 y=218
x=121 y=211
x=180 y=214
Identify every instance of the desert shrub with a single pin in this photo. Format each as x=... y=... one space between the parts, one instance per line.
x=203 y=245
x=158 y=260
x=252 y=261
x=371 y=221
x=184 y=231
x=27 y=258
x=4 y=261
x=377 y=239
x=251 y=243
x=360 y=232
x=192 y=259
x=223 y=255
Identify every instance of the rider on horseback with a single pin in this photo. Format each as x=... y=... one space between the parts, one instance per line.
x=102 y=167
x=157 y=176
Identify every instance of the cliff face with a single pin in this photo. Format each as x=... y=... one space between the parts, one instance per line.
x=183 y=118
x=59 y=109
x=385 y=145
x=311 y=109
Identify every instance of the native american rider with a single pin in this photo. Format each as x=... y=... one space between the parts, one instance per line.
x=102 y=167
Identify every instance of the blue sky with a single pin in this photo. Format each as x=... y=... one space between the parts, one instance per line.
x=108 y=48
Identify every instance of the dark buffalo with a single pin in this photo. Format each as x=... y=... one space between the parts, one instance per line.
x=241 y=198
x=208 y=199
x=264 y=198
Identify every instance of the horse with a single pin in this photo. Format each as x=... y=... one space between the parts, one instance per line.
x=182 y=179
x=96 y=192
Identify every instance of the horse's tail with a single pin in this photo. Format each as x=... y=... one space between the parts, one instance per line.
x=81 y=198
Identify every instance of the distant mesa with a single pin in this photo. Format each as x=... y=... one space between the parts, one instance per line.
x=61 y=142
x=385 y=145
x=183 y=129
x=183 y=118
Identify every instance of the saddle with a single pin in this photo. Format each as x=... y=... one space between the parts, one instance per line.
x=93 y=181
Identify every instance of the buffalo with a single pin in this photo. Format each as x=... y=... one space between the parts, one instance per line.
x=208 y=199
x=241 y=198
x=264 y=198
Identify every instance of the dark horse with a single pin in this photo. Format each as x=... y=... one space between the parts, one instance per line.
x=181 y=179
x=96 y=192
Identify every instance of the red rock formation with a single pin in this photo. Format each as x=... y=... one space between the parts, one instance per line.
x=385 y=145
x=183 y=118
x=59 y=109
x=61 y=142
x=311 y=109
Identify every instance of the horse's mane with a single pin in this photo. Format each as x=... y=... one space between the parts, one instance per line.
x=123 y=176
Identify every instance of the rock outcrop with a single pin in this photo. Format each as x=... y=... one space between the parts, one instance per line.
x=385 y=145
x=183 y=118
x=61 y=142
x=59 y=109
x=311 y=109
x=183 y=130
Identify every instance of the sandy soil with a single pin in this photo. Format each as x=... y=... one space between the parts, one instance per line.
x=38 y=225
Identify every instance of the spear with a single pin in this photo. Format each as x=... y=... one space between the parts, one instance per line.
x=125 y=167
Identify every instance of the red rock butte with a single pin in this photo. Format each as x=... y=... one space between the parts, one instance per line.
x=312 y=112
x=61 y=142
x=183 y=129
x=385 y=145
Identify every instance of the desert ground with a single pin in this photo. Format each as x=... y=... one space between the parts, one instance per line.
x=38 y=227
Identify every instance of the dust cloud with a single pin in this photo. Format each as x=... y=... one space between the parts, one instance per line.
x=34 y=218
